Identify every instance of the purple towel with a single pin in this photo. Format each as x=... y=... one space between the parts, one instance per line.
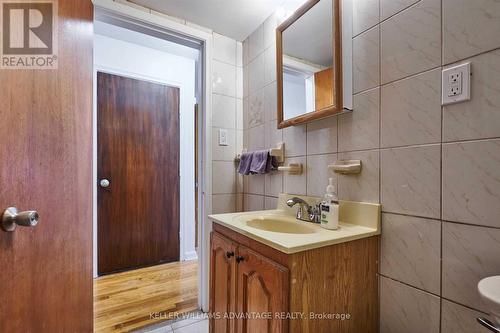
x=245 y=161
x=259 y=162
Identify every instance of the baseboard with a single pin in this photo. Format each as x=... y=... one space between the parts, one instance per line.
x=191 y=255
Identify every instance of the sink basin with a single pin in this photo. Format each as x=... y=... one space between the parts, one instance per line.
x=280 y=225
x=489 y=289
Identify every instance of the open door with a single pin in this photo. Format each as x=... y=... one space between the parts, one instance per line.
x=46 y=150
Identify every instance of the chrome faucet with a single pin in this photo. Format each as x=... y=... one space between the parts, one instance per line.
x=305 y=212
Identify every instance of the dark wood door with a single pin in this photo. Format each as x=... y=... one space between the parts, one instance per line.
x=46 y=150
x=138 y=152
x=262 y=288
x=222 y=283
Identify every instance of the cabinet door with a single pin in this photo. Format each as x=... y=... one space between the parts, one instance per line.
x=262 y=293
x=222 y=283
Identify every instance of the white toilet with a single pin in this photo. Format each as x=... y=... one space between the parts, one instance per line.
x=489 y=289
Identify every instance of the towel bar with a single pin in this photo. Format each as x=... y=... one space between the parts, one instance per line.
x=278 y=152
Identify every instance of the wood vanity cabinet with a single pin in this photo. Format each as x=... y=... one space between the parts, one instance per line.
x=244 y=281
x=249 y=277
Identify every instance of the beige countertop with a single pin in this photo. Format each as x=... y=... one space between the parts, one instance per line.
x=287 y=234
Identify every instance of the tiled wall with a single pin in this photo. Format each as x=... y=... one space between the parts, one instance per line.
x=227 y=113
x=435 y=170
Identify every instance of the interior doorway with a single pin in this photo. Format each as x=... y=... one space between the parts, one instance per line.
x=147 y=84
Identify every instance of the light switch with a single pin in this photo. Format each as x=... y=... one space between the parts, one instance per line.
x=222 y=137
x=456 y=84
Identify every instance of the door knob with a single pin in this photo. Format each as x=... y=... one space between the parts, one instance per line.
x=104 y=183
x=11 y=218
x=239 y=259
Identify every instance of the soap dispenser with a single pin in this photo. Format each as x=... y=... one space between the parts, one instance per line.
x=330 y=208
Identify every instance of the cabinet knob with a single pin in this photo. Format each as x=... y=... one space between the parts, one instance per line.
x=229 y=254
x=239 y=259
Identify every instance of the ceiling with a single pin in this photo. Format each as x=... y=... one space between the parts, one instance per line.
x=233 y=18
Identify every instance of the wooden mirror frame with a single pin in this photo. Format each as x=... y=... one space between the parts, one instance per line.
x=337 y=106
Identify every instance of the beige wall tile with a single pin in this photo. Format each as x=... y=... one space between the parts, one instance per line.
x=239 y=54
x=255 y=184
x=469 y=28
x=223 y=79
x=256 y=43
x=364 y=187
x=239 y=82
x=246 y=80
x=322 y=136
x=269 y=27
x=273 y=135
x=223 y=153
x=410 y=180
x=270 y=203
x=239 y=114
x=479 y=118
x=471 y=182
x=223 y=111
x=223 y=177
x=224 y=49
x=270 y=64
x=253 y=202
x=256 y=138
x=270 y=102
x=365 y=15
x=256 y=72
x=366 y=60
x=295 y=140
x=406 y=309
x=459 y=319
x=470 y=253
x=256 y=108
x=318 y=174
x=411 y=41
x=295 y=184
x=274 y=183
x=223 y=203
x=359 y=129
x=411 y=110
x=411 y=251
x=246 y=56
x=391 y=7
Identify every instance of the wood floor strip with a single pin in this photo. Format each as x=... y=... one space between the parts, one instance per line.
x=124 y=301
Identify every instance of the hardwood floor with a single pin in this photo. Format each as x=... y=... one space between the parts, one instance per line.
x=125 y=301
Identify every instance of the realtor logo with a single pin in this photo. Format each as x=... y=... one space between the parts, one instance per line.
x=29 y=34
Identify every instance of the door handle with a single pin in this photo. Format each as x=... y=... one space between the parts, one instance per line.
x=239 y=259
x=104 y=183
x=11 y=218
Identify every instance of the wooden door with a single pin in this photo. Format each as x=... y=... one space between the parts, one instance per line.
x=222 y=283
x=46 y=150
x=138 y=152
x=262 y=288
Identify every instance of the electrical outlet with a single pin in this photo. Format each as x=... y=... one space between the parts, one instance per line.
x=223 y=137
x=456 y=84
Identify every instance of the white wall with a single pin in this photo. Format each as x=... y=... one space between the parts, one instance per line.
x=156 y=60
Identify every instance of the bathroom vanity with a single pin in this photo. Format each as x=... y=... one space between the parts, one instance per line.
x=272 y=273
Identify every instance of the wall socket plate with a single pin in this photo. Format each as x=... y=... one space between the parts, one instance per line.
x=456 y=84
x=223 y=137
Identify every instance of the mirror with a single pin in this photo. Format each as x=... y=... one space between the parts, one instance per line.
x=308 y=61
